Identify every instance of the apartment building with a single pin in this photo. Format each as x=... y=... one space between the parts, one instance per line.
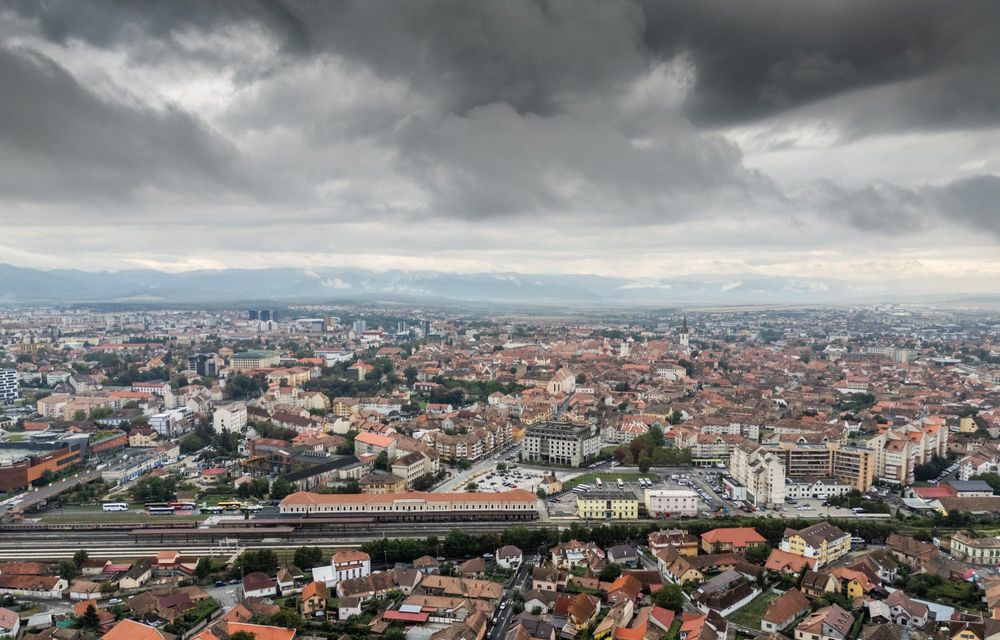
x=823 y=542
x=10 y=388
x=760 y=472
x=229 y=417
x=560 y=443
x=254 y=360
x=172 y=422
x=965 y=548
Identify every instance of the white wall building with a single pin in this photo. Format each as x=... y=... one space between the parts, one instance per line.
x=229 y=417
x=670 y=502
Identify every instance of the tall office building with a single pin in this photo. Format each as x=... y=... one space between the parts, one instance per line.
x=359 y=326
x=205 y=364
x=264 y=315
x=10 y=389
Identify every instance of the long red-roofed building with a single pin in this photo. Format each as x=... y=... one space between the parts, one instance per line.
x=518 y=504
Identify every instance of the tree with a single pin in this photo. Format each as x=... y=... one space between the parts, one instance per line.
x=68 y=570
x=644 y=462
x=281 y=488
x=203 y=569
x=243 y=635
x=79 y=415
x=382 y=461
x=79 y=558
x=669 y=596
x=308 y=557
x=264 y=560
x=287 y=618
x=540 y=492
x=610 y=572
x=472 y=487
x=89 y=621
x=758 y=554
x=464 y=464
x=154 y=489
x=411 y=375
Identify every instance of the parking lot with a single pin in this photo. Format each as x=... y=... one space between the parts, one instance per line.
x=512 y=478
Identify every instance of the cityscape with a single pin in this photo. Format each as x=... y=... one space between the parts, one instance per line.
x=519 y=320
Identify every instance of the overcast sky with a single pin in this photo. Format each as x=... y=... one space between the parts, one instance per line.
x=847 y=139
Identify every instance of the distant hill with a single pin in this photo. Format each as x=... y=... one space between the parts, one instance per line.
x=20 y=285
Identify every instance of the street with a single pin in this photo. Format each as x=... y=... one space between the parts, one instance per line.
x=505 y=608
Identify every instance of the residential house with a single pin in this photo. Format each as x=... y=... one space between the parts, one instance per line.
x=828 y=623
x=509 y=557
x=472 y=568
x=583 y=611
x=33 y=586
x=725 y=593
x=344 y=565
x=347 y=607
x=785 y=610
x=784 y=562
x=10 y=623
x=907 y=612
x=131 y=630
x=685 y=543
x=731 y=540
x=547 y=579
x=910 y=551
x=314 y=597
x=259 y=585
x=853 y=584
x=623 y=554
x=624 y=588
x=817 y=583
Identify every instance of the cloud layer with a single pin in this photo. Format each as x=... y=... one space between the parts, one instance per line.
x=640 y=139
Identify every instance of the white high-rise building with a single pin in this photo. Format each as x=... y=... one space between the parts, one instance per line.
x=10 y=388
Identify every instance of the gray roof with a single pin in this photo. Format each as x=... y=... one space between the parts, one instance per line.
x=970 y=485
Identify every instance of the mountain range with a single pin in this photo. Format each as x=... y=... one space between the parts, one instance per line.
x=290 y=285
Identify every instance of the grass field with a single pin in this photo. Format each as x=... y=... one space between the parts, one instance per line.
x=750 y=615
x=609 y=479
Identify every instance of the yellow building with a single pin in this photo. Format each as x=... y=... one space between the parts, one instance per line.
x=379 y=483
x=967 y=425
x=822 y=541
x=608 y=505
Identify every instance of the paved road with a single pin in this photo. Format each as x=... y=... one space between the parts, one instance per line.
x=35 y=496
x=505 y=609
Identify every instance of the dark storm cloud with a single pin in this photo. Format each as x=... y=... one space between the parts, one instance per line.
x=492 y=109
x=751 y=60
x=754 y=59
x=58 y=140
x=895 y=210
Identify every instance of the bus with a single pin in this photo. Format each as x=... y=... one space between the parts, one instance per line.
x=183 y=506
x=621 y=485
x=599 y=483
x=115 y=506
x=211 y=510
x=231 y=505
x=161 y=509
x=252 y=508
